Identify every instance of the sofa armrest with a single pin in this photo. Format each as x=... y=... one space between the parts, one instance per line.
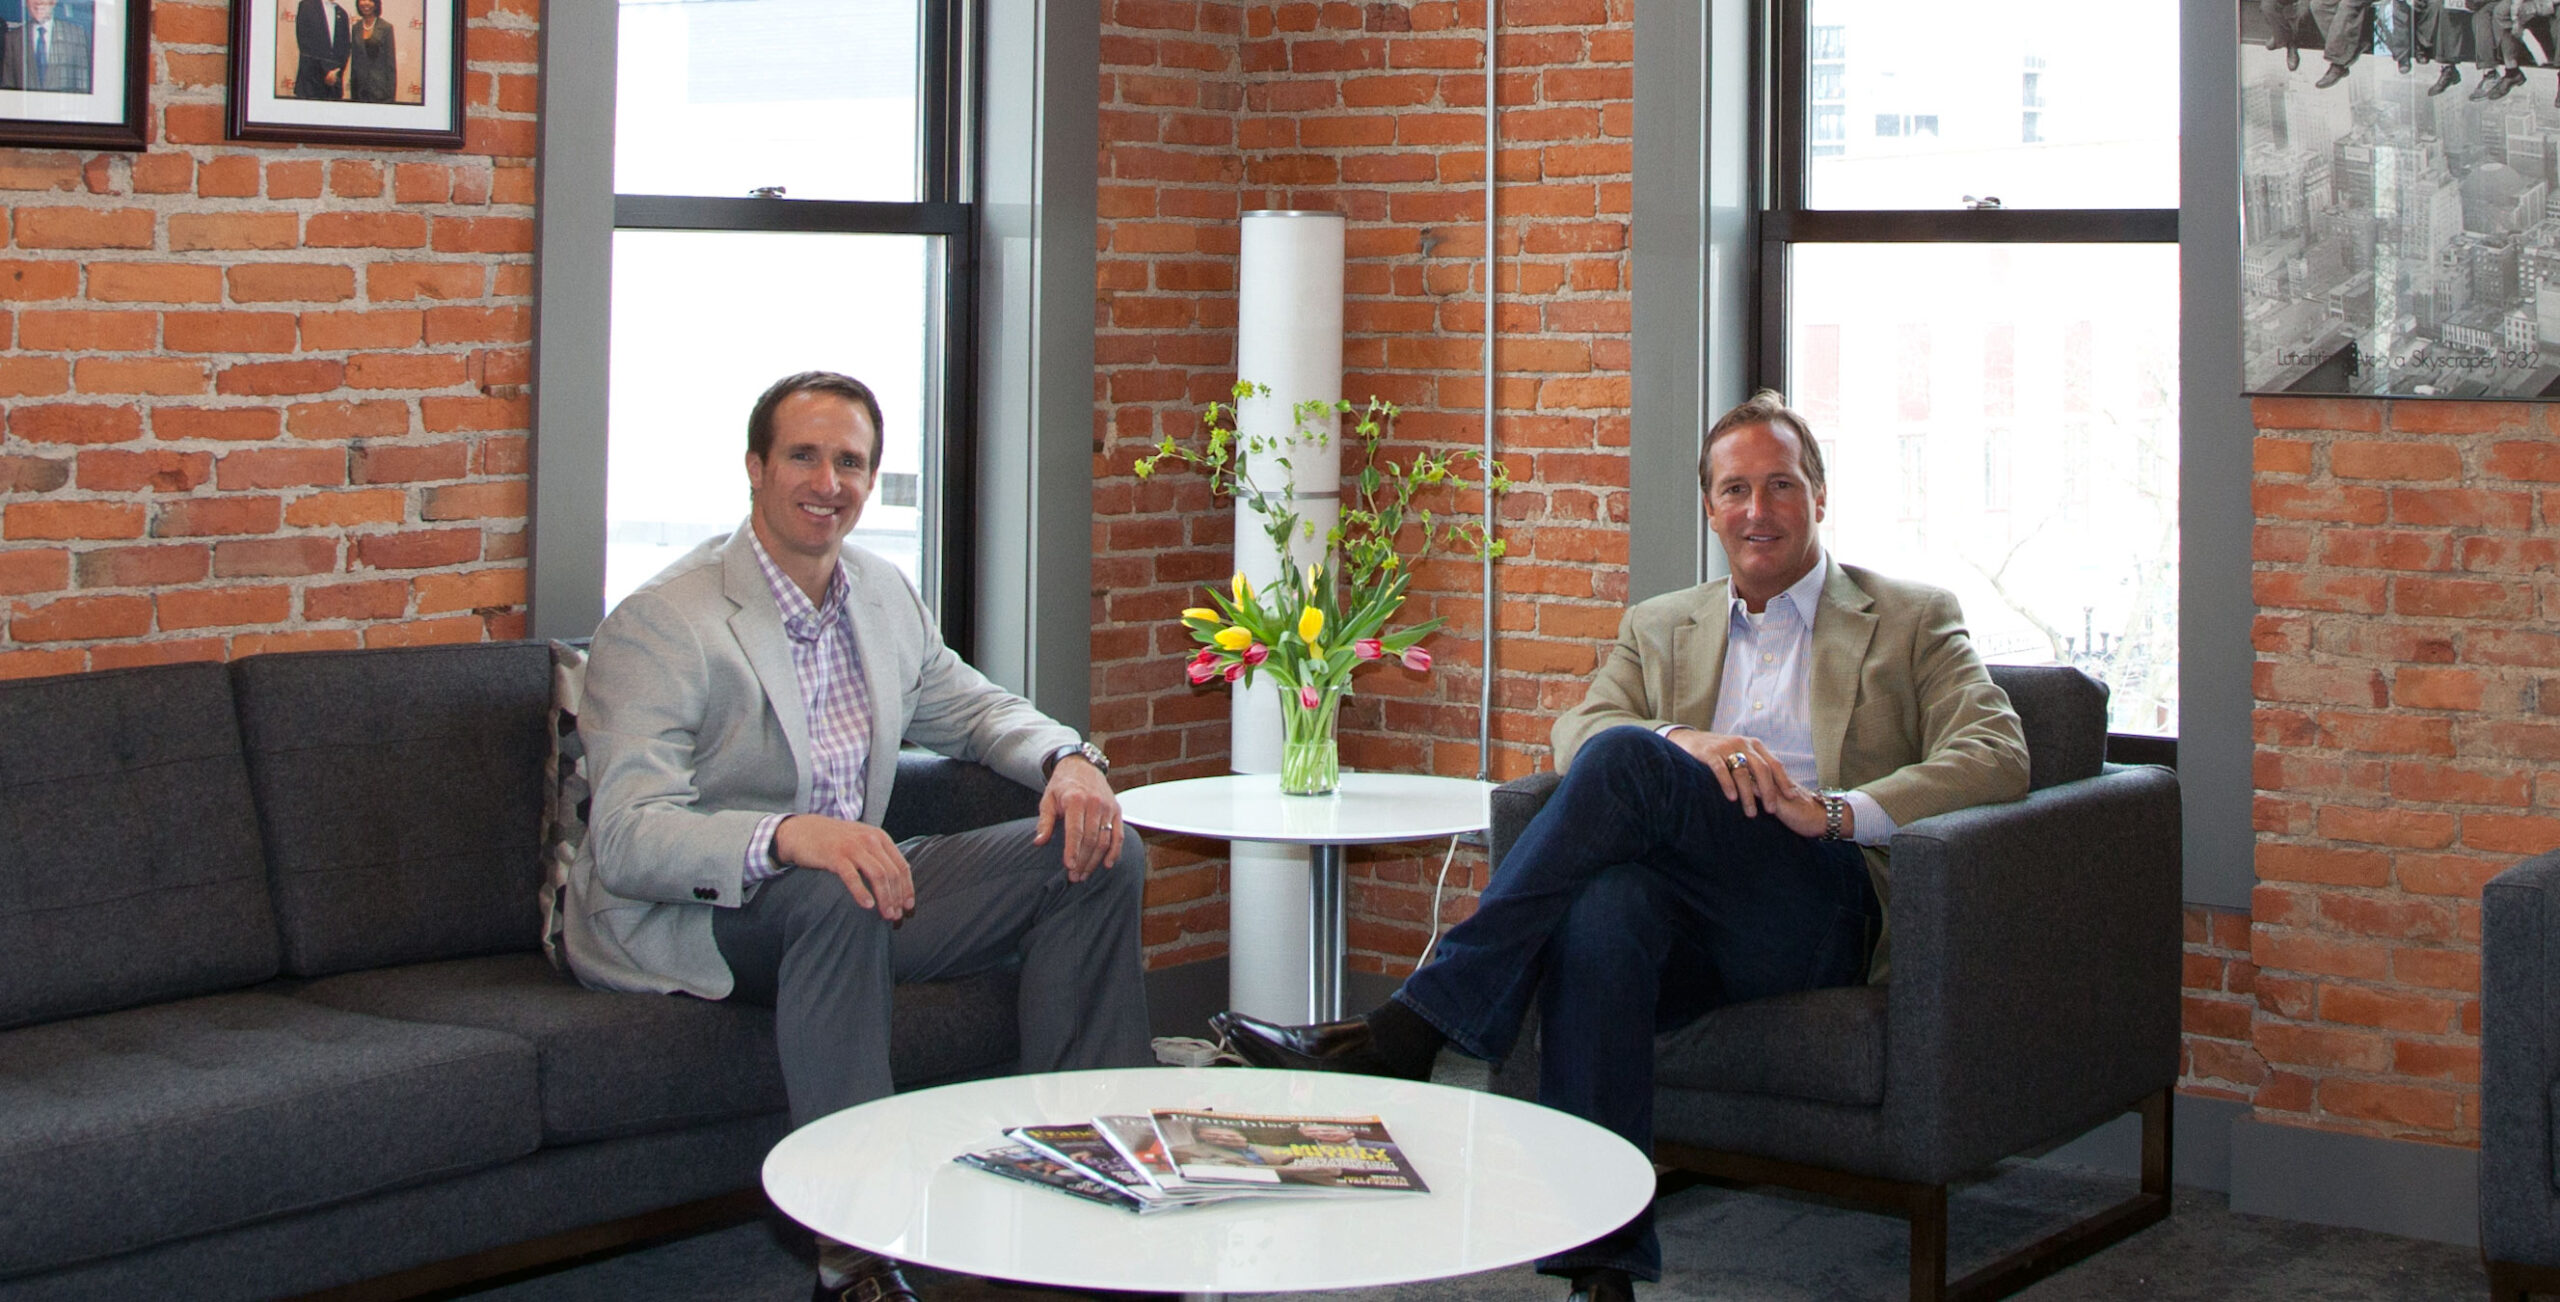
x=936 y=796
x=1514 y=804
x=2519 y=1058
x=2035 y=965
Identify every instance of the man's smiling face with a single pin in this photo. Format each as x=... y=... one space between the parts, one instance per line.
x=1764 y=510
x=810 y=489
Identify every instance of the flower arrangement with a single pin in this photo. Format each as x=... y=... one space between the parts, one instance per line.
x=1310 y=628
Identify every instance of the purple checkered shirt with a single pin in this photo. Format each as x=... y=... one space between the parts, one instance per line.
x=837 y=698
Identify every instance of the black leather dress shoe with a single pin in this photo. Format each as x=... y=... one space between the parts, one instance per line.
x=877 y=1280
x=2336 y=73
x=2292 y=59
x=2445 y=80
x=1602 y=1285
x=1322 y=1046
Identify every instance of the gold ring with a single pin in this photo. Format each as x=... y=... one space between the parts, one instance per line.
x=1736 y=761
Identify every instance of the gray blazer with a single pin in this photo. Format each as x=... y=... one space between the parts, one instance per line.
x=695 y=730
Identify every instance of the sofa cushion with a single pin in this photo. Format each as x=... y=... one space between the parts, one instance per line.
x=126 y=1129
x=1818 y=1044
x=400 y=792
x=612 y=1064
x=129 y=861
x=621 y=1064
x=566 y=798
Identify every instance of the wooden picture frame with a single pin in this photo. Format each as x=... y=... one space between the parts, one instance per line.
x=90 y=86
x=389 y=73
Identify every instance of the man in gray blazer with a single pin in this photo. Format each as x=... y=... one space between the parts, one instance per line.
x=49 y=51
x=742 y=717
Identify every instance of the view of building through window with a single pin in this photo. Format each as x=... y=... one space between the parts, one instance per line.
x=2016 y=446
x=2001 y=418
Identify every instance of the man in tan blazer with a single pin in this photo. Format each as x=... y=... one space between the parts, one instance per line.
x=742 y=718
x=1732 y=778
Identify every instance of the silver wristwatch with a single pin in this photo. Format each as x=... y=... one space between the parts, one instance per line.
x=1835 y=816
x=1092 y=754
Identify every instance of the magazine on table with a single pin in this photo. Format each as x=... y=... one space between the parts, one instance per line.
x=1031 y=1166
x=1135 y=1139
x=1277 y=1154
x=1083 y=1148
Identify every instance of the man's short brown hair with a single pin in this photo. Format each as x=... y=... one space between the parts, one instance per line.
x=1767 y=407
x=760 y=417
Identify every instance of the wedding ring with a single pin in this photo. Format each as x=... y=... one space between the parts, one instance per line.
x=1736 y=761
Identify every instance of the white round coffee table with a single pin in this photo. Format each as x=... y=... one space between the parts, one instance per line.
x=1367 y=809
x=1510 y=1182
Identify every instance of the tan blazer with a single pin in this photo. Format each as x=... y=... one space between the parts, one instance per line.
x=1902 y=707
x=695 y=730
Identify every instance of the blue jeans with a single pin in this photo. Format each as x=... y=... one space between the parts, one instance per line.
x=1639 y=900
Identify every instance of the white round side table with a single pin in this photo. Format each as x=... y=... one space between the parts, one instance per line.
x=1366 y=809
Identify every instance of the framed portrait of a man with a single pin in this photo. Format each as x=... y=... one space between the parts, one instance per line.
x=74 y=72
x=364 y=72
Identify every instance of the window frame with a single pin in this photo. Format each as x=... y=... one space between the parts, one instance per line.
x=1782 y=115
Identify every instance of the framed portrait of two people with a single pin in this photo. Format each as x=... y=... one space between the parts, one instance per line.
x=363 y=72
x=74 y=73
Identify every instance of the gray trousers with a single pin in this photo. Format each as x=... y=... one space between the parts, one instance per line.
x=2342 y=28
x=825 y=964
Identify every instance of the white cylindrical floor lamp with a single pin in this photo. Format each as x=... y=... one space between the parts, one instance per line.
x=1289 y=338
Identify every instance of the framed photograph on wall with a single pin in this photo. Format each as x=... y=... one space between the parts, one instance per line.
x=2398 y=236
x=74 y=72
x=347 y=72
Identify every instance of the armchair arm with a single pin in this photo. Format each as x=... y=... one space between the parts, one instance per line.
x=2035 y=978
x=935 y=796
x=2519 y=1058
x=1514 y=804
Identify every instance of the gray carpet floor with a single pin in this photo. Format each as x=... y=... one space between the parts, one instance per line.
x=1738 y=1245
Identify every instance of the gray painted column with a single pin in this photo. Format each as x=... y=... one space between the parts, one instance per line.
x=2215 y=607
x=572 y=298
x=1034 y=563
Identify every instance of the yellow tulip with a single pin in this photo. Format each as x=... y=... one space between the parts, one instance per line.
x=1202 y=613
x=1310 y=623
x=1232 y=638
x=1243 y=590
x=1315 y=650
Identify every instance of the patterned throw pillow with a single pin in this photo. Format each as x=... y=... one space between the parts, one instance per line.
x=564 y=794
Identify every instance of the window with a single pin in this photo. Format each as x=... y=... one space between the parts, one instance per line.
x=790 y=193
x=1987 y=287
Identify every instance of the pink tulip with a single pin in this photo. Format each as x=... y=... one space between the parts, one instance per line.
x=1256 y=654
x=1235 y=671
x=1200 y=672
x=1369 y=648
x=1307 y=698
x=1417 y=659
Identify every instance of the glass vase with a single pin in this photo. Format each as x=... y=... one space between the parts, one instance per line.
x=1309 y=763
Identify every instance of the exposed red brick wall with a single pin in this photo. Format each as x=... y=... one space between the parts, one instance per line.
x=1374 y=111
x=2407 y=712
x=266 y=397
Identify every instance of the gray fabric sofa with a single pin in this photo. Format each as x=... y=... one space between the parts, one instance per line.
x=2034 y=994
x=273 y=1013
x=2520 y=1078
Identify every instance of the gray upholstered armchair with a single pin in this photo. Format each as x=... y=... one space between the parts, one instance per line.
x=2034 y=994
x=2520 y=1078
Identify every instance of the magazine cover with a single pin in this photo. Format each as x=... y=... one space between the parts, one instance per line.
x=1083 y=1148
x=1286 y=1154
x=1135 y=1139
x=1018 y=1162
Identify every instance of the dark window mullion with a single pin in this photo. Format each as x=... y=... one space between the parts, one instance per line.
x=669 y=212
x=1972 y=226
x=1786 y=89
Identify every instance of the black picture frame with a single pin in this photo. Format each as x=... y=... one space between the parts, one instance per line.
x=277 y=96
x=87 y=108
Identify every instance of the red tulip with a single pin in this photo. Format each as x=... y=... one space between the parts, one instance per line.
x=1200 y=671
x=1307 y=698
x=1369 y=648
x=1235 y=671
x=1256 y=654
x=1417 y=659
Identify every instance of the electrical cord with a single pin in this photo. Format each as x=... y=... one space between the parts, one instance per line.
x=1434 y=942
